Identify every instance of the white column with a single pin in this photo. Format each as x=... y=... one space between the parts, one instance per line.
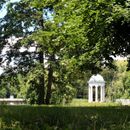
x=101 y=94
x=96 y=93
x=89 y=100
x=91 y=93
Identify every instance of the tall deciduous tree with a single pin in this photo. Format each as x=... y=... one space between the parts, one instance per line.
x=21 y=21
x=32 y=26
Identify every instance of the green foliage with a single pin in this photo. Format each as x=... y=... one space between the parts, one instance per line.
x=9 y=85
x=64 y=94
x=117 y=81
x=3 y=92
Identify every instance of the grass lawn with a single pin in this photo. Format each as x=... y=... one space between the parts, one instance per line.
x=84 y=103
x=79 y=115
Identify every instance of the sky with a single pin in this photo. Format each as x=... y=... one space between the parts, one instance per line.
x=3 y=10
x=2 y=14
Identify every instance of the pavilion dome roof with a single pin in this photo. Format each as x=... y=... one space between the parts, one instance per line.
x=96 y=80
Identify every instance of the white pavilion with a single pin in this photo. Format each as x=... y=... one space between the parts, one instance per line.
x=96 y=89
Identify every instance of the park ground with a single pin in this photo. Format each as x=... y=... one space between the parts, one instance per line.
x=78 y=115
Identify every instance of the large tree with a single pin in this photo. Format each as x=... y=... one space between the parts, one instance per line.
x=31 y=25
x=100 y=29
x=21 y=21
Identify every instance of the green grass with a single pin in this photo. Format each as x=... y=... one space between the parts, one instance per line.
x=79 y=115
x=84 y=102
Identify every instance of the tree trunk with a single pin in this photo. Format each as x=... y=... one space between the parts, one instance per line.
x=50 y=80
x=41 y=88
